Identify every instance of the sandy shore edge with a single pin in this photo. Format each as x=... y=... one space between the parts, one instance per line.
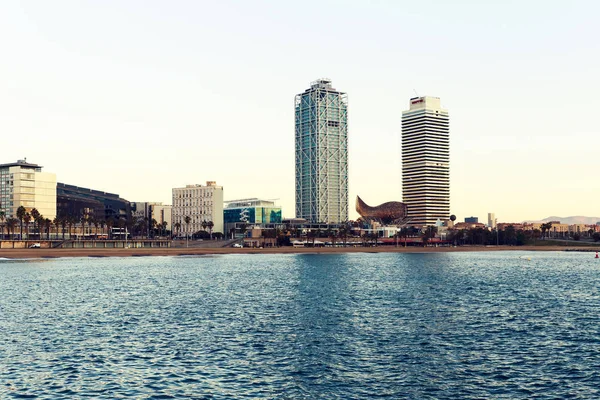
x=178 y=251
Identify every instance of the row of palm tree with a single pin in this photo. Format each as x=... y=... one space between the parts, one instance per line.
x=283 y=236
x=512 y=236
x=187 y=219
x=134 y=226
x=23 y=216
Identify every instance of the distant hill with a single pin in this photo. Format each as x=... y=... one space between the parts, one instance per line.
x=573 y=220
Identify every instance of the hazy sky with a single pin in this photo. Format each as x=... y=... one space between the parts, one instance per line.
x=137 y=97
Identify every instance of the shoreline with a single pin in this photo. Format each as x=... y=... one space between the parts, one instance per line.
x=177 y=251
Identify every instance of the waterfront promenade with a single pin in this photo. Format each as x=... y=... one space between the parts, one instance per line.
x=182 y=251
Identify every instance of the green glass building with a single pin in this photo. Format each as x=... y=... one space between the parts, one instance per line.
x=250 y=212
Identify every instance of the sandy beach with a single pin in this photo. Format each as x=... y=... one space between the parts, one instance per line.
x=54 y=253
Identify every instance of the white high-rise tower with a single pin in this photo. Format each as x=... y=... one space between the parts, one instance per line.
x=492 y=220
x=426 y=161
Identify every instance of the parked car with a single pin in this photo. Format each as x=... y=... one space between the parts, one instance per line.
x=237 y=245
x=35 y=246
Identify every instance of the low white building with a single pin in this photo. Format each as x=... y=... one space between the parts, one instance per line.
x=24 y=184
x=201 y=204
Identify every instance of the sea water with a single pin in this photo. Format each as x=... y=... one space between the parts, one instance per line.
x=305 y=326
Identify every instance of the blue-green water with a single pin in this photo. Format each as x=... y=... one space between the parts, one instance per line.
x=350 y=326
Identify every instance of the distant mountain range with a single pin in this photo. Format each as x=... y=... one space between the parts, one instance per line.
x=572 y=220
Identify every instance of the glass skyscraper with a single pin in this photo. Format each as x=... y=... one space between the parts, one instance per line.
x=322 y=154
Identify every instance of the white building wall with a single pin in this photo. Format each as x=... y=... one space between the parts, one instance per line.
x=32 y=189
x=200 y=203
x=45 y=194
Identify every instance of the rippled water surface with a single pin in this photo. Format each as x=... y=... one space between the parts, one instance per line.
x=355 y=326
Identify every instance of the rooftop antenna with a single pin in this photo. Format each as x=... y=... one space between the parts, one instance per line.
x=417 y=94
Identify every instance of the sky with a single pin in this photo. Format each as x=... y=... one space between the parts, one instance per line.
x=138 y=97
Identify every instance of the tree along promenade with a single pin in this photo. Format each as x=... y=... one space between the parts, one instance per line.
x=84 y=244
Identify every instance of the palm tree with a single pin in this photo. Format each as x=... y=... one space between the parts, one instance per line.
x=145 y=227
x=375 y=238
x=11 y=224
x=129 y=224
x=122 y=224
x=204 y=225
x=41 y=222
x=424 y=238
x=110 y=222
x=263 y=232
x=329 y=233
x=428 y=234
x=365 y=239
x=510 y=235
x=153 y=224
x=27 y=219
x=35 y=216
x=164 y=228
x=317 y=234
x=404 y=232
x=48 y=224
x=177 y=228
x=280 y=236
x=210 y=226
x=70 y=222
x=546 y=228
x=243 y=228
x=311 y=235
x=543 y=229
x=83 y=221
x=187 y=220
x=141 y=226
x=7 y=236
x=64 y=221
x=2 y=218
x=21 y=211
x=63 y=224
x=343 y=234
x=96 y=225
x=90 y=222
x=56 y=223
